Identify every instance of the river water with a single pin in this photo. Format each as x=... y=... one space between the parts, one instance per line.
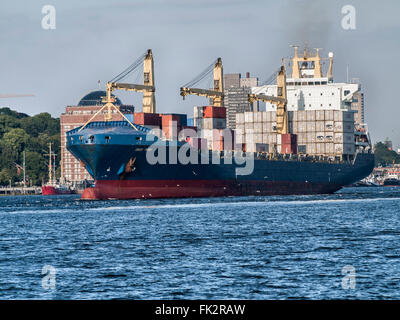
x=345 y=245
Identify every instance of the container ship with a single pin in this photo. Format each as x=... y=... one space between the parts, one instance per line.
x=161 y=156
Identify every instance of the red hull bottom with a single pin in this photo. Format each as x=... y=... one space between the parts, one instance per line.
x=53 y=191
x=149 y=189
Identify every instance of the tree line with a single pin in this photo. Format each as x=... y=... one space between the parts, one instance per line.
x=20 y=132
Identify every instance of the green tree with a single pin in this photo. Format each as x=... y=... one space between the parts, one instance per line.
x=384 y=156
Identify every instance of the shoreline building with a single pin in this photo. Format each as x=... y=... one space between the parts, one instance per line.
x=236 y=92
x=72 y=171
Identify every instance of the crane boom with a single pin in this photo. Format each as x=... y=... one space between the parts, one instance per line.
x=147 y=88
x=217 y=93
x=280 y=100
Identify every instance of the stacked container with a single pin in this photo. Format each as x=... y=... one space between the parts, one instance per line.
x=319 y=132
x=171 y=124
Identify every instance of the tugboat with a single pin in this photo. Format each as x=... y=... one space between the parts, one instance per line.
x=52 y=188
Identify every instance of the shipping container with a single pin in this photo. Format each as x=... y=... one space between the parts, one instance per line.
x=301 y=116
x=320 y=148
x=329 y=115
x=289 y=138
x=329 y=126
x=143 y=118
x=310 y=114
x=343 y=137
x=310 y=126
x=258 y=127
x=320 y=115
x=214 y=112
x=320 y=137
x=214 y=123
x=343 y=116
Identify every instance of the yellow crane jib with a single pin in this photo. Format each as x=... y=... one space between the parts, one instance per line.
x=280 y=100
x=216 y=93
x=147 y=88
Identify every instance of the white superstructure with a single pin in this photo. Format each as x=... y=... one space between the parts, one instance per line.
x=308 y=89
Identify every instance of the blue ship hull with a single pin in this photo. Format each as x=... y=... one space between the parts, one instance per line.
x=115 y=155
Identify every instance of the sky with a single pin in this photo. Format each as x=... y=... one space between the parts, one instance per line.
x=95 y=40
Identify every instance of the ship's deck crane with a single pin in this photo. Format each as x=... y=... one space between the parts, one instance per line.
x=148 y=89
x=217 y=93
x=280 y=100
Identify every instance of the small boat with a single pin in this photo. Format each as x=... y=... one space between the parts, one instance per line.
x=52 y=188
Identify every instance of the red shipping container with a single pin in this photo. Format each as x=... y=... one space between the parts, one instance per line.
x=289 y=138
x=289 y=148
x=142 y=118
x=214 y=112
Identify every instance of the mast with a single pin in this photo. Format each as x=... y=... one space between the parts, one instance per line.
x=50 y=166
x=24 y=171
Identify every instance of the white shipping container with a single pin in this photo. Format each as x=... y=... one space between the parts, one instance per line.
x=301 y=138
x=329 y=148
x=249 y=125
x=279 y=139
x=319 y=125
x=248 y=117
x=198 y=112
x=264 y=116
x=329 y=115
x=320 y=148
x=310 y=126
x=320 y=137
x=249 y=131
x=272 y=116
x=258 y=127
x=272 y=138
x=266 y=127
x=311 y=138
x=320 y=115
x=240 y=138
x=301 y=116
x=249 y=138
x=295 y=116
x=310 y=115
x=301 y=127
x=329 y=137
x=265 y=138
x=311 y=148
x=329 y=126
x=239 y=118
